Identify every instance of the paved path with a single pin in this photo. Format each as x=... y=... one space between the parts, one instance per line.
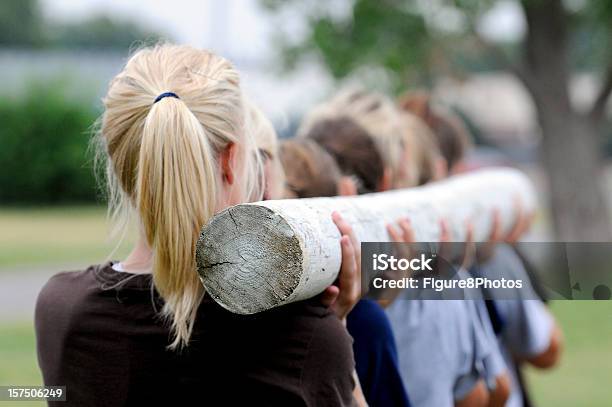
x=19 y=288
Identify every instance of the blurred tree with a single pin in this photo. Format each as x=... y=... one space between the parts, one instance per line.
x=20 y=23
x=416 y=40
x=44 y=155
x=100 y=32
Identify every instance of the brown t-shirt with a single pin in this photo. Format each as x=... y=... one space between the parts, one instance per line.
x=99 y=334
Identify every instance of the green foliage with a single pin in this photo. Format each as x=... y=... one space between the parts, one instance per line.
x=377 y=33
x=412 y=41
x=592 y=27
x=20 y=23
x=44 y=156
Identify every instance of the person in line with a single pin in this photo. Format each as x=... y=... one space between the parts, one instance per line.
x=525 y=330
x=179 y=147
x=362 y=169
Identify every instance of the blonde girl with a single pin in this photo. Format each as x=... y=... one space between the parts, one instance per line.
x=179 y=146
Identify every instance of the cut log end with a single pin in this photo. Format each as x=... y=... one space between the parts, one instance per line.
x=239 y=254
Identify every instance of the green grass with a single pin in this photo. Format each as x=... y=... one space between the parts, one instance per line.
x=55 y=236
x=583 y=376
x=18 y=364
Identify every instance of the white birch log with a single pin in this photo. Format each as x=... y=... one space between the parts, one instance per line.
x=256 y=256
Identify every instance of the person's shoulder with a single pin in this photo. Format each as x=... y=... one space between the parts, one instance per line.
x=60 y=302
x=60 y=283
x=69 y=276
x=66 y=289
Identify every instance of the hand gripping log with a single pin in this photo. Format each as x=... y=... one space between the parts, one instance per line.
x=256 y=256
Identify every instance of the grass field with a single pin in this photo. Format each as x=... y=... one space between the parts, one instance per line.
x=54 y=236
x=18 y=365
x=584 y=376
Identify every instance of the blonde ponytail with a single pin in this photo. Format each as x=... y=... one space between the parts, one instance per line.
x=175 y=195
x=163 y=155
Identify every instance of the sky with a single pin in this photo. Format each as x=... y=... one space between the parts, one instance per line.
x=228 y=27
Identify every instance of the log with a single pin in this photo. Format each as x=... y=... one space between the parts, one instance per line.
x=256 y=256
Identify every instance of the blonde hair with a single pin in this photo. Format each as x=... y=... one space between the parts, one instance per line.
x=311 y=171
x=162 y=160
x=451 y=135
x=426 y=151
x=266 y=140
x=378 y=115
x=263 y=131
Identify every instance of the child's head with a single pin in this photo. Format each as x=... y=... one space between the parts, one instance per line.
x=354 y=150
x=451 y=136
x=310 y=171
x=177 y=149
x=383 y=121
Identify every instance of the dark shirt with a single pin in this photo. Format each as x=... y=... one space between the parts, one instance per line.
x=376 y=355
x=99 y=334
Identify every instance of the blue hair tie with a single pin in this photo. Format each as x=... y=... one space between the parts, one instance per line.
x=165 y=95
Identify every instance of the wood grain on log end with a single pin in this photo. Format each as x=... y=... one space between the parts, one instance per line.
x=239 y=255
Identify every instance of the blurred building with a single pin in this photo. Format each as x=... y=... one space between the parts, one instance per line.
x=500 y=106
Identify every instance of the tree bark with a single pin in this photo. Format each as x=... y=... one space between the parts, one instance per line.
x=570 y=148
x=254 y=257
x=570 y=153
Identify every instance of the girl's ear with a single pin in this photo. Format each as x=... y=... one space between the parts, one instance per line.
x=385 y=182
x=418 y=103
x=346 y=186
x=227 y=160
x=441 y=169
